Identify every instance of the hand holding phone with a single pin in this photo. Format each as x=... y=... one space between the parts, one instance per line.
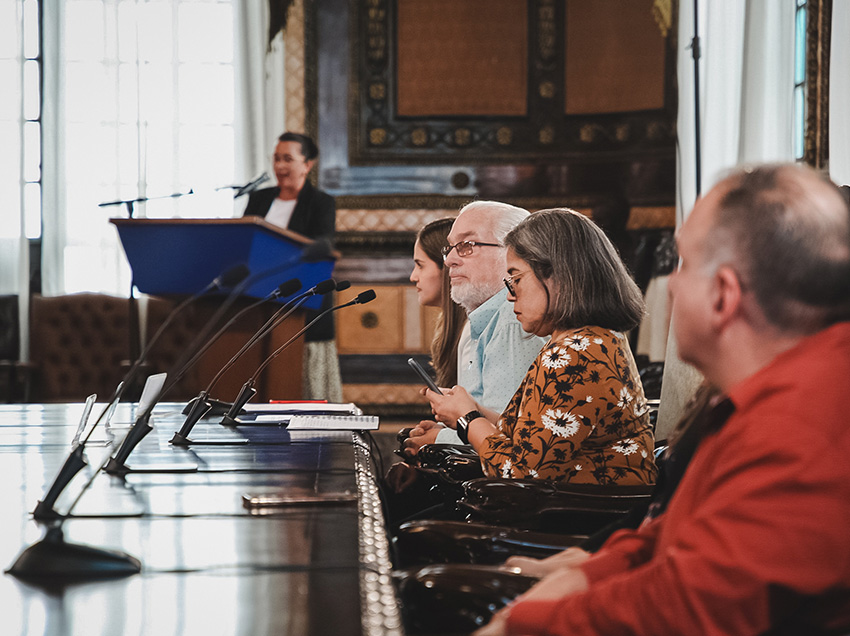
x=424 y=375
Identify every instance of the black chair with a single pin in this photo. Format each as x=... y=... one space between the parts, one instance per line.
x=455 y=599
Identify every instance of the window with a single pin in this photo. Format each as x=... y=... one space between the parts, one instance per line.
x=800 y=84
x=20 y=119
x=147 y=112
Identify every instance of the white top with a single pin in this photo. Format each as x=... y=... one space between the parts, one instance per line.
x=280 y=212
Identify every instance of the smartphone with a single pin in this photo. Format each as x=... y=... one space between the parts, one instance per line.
x=424 y=375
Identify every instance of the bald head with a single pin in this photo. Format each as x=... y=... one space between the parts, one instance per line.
x=787 y=231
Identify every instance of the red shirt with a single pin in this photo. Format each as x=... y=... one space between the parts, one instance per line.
x=757 y=534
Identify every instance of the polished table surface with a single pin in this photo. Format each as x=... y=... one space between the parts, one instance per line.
x=210 y=563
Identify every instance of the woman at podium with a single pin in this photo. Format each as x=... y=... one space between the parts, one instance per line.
x=295 y=204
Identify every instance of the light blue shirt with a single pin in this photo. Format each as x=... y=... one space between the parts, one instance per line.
x=500 y=354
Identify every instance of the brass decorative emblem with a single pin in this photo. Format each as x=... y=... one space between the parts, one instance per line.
x=419 y=137
x=377 y=136
x=377 y=90
x=587 y=133
x=504 y=136
x=463 y=136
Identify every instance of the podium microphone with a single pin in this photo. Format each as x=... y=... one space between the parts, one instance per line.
x=201 y=404
x=361 y=299
x=251 y=185
x=45 y=508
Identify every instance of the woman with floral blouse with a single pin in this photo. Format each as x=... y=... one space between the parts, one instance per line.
x=580 y=414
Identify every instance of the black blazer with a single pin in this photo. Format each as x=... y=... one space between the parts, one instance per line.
x=314 y=216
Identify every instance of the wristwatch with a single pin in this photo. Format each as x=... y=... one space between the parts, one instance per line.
x=462 y=425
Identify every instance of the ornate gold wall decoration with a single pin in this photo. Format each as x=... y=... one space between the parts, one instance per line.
x=543 y=69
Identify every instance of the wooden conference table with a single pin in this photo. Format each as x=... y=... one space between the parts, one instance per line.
x=211 y=564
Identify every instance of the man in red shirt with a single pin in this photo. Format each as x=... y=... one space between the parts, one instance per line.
x=755 y=539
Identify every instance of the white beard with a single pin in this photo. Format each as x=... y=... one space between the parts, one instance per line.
x=470 y=296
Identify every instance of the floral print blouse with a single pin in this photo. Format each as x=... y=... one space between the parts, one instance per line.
x=579 y=416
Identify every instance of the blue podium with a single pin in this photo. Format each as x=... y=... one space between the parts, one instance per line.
x=181 y=256
x=178 y=257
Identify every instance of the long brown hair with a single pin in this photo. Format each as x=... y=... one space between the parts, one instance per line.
x=431 y=239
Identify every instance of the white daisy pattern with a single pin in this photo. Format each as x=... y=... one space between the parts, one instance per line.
x=555 y=358
x=579 y=343
x=561 y=423
x=579 y=416
x=626 y=447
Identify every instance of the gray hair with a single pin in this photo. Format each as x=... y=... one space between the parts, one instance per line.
x=590 y=284
x=505 y=216
x=788 y=230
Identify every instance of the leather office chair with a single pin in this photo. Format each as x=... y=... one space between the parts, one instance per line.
x=79 y=344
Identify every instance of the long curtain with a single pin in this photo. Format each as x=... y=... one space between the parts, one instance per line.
x=839 y=95
x=746 y=112
x=260 y=93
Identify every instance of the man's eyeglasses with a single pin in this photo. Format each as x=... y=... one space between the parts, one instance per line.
x=464 y=248
x=510 y=281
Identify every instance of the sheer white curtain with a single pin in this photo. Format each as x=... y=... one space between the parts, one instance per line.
x=746 y=111
x=139 y=102
x=260 y=92
x=839 y=95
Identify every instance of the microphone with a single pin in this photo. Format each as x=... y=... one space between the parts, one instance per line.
x=361 y=299
x=283 y=290
x=319 y=251
x=251 y=185
x=45 y=508
x=202 y=405
x=228 y=278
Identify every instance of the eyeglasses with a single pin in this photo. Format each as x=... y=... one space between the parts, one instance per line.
x=464 y=248
x=510 y=281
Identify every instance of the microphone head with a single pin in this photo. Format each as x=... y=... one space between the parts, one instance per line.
x=288 y=288
x=233 y=276
x=342 y=285
x=325 y=286
x=365 y=297
x=318 y=250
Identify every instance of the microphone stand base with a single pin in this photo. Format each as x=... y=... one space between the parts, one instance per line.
x=227 y=420
x=217 y=407
x=116 y=468
x=53 y=563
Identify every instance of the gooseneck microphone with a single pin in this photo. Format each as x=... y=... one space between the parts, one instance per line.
x=201 y=405
x=317 y=250
x=283 y=290
x=248 y=391
x=45 y=508
x=251 y=185
x=361 y=299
